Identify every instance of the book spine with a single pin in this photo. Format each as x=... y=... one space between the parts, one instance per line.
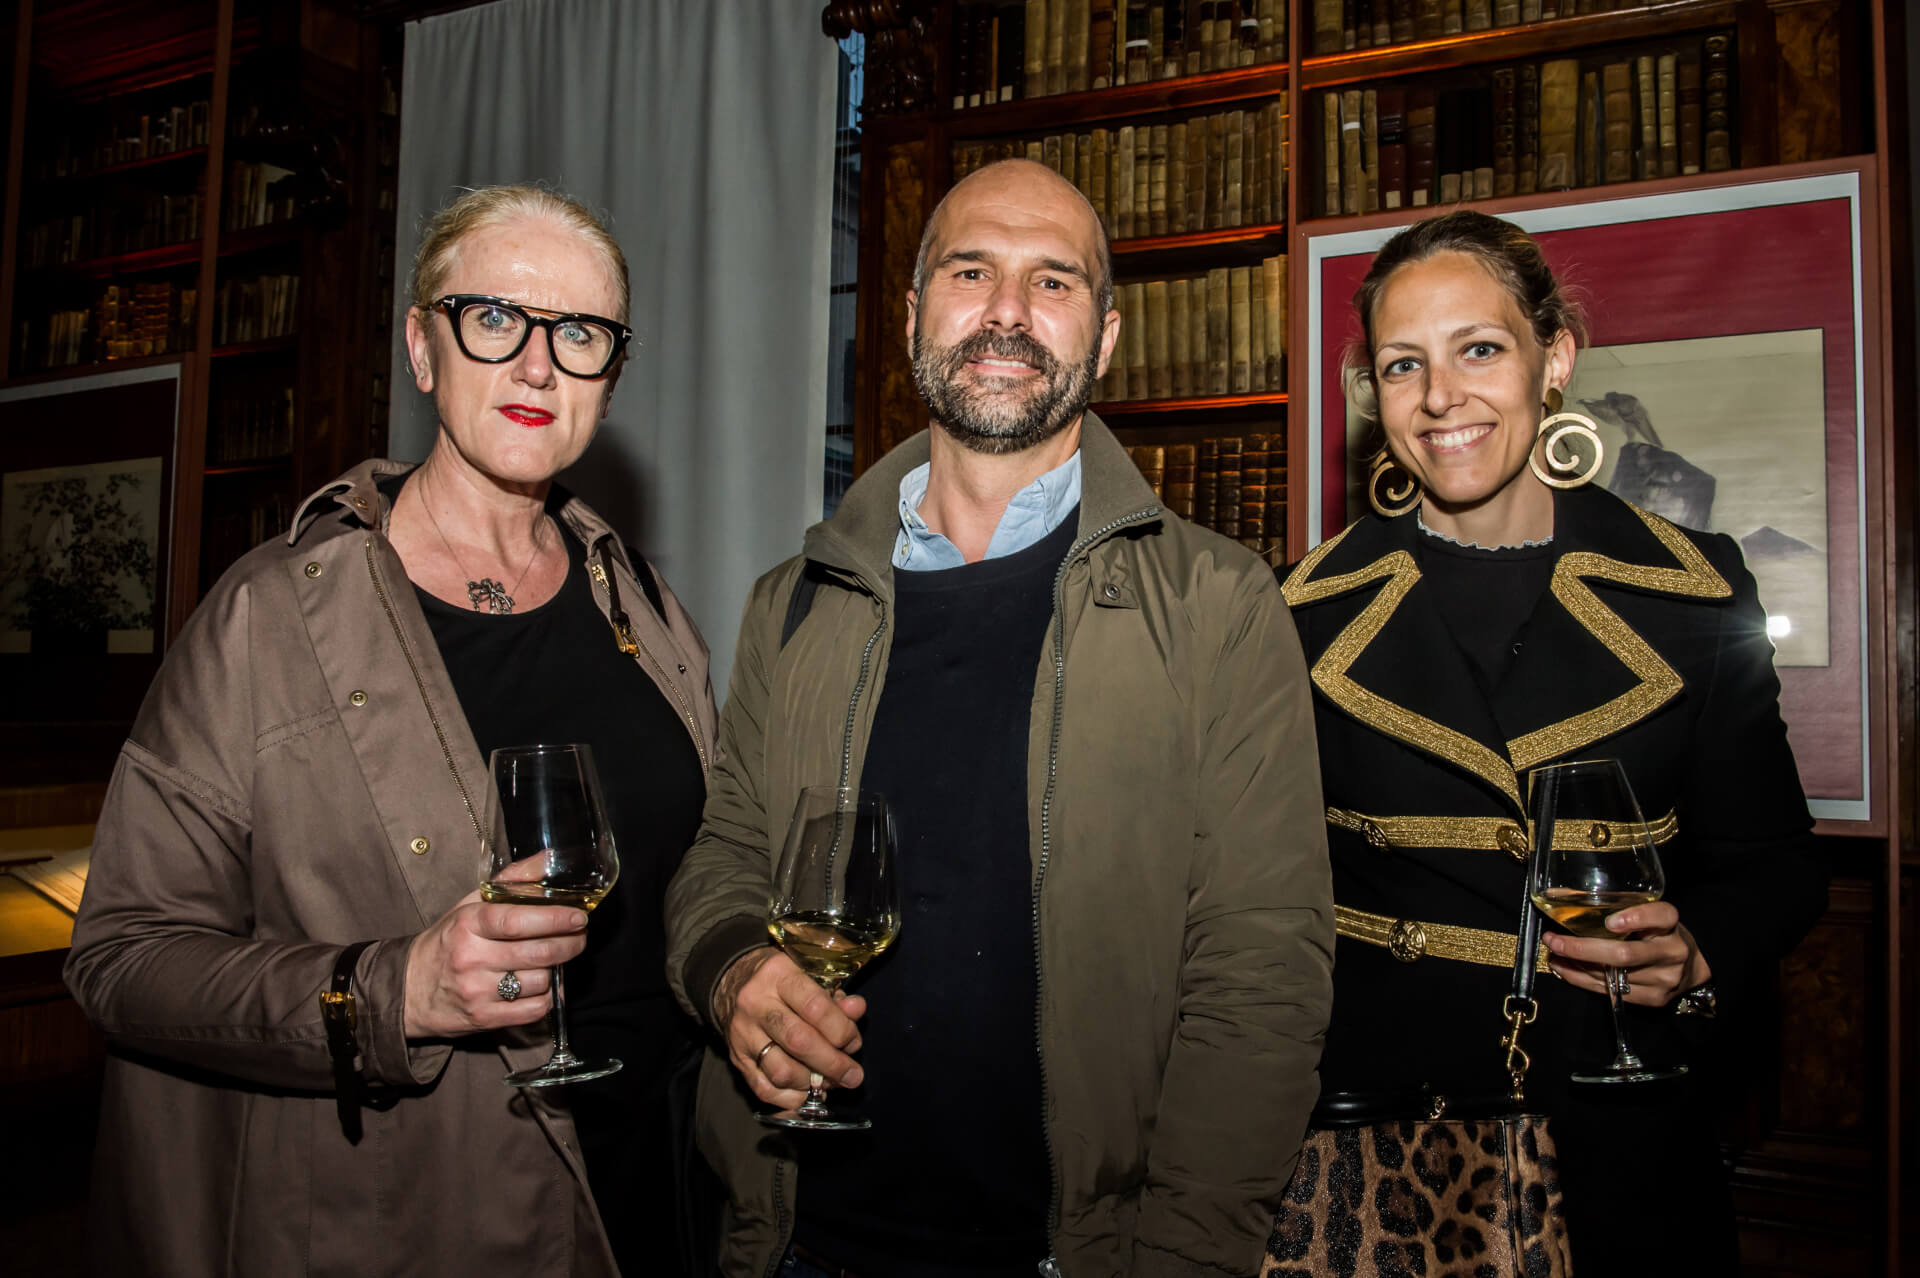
x=1718 y=90
x=1480 y=144
x=1056 y=66
x=1330 y=153
x=1180 y=337
x=1100 y=44
x=1691 y=113
x=1667 y=101
x=1159 y=360
x=1527 y=129
x=1453 y=17
x=1010 y=54
x=1036 y=48
x=1198 y=338
x=1505 y=132
x=1098 y=192
x=1559 y=123
x=1616 y=113
x=1217 y=172
x=1142 y=180
x=1239 y=321
x=1648 y=161
x=1196 y=188
x=1256 y=328
x=1206 y=482
x=1219 y=337
x=1422 y=146
x=1370 y=148
x=1353 y=178
x=1479 y=15
x=1180 y=473
x=1076 y=46
x=1506 y=13
x=1253 y=492
x=1134 y=331
x=1157 y=142
x=1176 y=162
x=1326 y=26
x=1401 y=21
x=1277 y=321
x=1123 y=185
x=1135 y=55
x=1226 y=520
x=1392 y=115
x=960 y=72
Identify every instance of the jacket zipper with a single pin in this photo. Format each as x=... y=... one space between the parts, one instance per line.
x=624 y=634
x=433 y=716
x=782 y=1226
x=1080 y=548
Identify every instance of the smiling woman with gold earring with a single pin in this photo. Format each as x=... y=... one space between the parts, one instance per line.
x=1497 y=612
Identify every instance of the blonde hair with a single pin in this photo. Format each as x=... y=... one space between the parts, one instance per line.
x=490 y=206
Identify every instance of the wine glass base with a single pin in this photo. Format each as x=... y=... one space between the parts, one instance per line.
x=556 y=1072
x=799 y=1121
x=1636 y=1074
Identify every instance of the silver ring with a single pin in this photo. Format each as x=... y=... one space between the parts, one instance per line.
x=760 y=1057
x=509 y=986
x=1626 y=983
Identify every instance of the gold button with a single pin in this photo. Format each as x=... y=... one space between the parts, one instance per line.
x=1599 y=835
x=313 y=570
x=419 y=845
x=357 y=697
x=1407 y=941
x=361 y=502
x=1374 y=834
x=1512 y=840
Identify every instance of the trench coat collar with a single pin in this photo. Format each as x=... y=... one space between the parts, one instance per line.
x=859 y=538
x=1583 y=675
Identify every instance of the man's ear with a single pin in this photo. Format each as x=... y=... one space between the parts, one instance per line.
x=913 y=315
x=1109 y=339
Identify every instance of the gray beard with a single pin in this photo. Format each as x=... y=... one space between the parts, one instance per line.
x=983 y=427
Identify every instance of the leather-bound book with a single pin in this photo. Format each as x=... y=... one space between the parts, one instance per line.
x=1647 y=162
x=1070 y=157
x=1550 y=9
x=1177 y=180
x=1159 y=344
x=1152 y=461
x=1077 y=48
x=1478 y=15
x=1559 y=124
x=1083 y=164
x=1197 y=335
x=1233 y=189
x=1036 y=51
x=1100 y=32
x=1156 y=40
x=1592 y=130
x=1197 y=210
x=1226 y=490
x=1050 y=152
x=1349 y=25
x=1157 y=179
x=1219 y=335
x=961 y=70
x=1330 y=163
x=1239 y=321
x=1098 y=192
x=1200 y=47
x=1253 y=492
x=1505 y=131
x=1422 y=146
x=1370 y=149
x=1452 y=150
x=1617 y=131
x=1256 y=328
x=1217 y=172
x=1527 y=130
x=1142 y=180
x=1353 y=177
x=1136 y=51
x=1057 y=46
x=1427 y=19
x=1275 y=115
x=1174 y=40
x=1480 y=143
x=1121 y=190
x=1718 y=86
x=1529 y=11
x=1382 y=22
x=985 y=89
x=1667 y=99
x=1506 y=13
x=1273 y=28
x=1180 y=337
x=1687 y=74
x=1206 y=482
x=1182 y=464
x=1275 y=271
x=1249 y=166
x=1400 y=20
x=1453 y=17
x=1134 y=331
x=1326 y=26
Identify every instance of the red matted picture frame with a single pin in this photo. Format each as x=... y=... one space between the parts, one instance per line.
x=1733 y=341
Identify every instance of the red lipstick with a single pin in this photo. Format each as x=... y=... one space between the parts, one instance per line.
x=526 y=414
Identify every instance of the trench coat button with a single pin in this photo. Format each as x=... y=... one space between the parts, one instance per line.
x=683 y=669
x=419 y=845
x=1110 y=590
x=1374 y=834
x=361 y=502
x=1512 y=840
x=357 y=697
x=313 y=569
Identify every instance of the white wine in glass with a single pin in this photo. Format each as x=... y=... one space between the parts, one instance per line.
x=548 y=842
x=835 y=907
x=1593 y=857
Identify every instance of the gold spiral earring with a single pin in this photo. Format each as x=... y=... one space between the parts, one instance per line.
x=1564 y=469
x=1391 y=490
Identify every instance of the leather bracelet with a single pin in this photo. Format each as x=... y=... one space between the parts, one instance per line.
x=339 y=1014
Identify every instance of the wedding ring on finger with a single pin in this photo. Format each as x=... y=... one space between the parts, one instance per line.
x=760 y=1057
x=509 y=986
x=1626 y=984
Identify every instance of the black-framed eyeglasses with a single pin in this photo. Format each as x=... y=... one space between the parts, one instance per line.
x=493 y=330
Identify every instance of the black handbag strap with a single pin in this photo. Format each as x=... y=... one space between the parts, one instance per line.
x=1520 y=1008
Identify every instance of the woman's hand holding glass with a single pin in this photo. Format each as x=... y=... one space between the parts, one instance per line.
x=1659 y=956
x=455 y=966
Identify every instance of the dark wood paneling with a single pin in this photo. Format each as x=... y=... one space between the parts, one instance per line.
x=899 y=412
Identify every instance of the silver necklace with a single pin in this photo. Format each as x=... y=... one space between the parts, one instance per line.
x=498 y=598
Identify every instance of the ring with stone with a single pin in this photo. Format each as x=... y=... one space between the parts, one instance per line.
x=509 y=986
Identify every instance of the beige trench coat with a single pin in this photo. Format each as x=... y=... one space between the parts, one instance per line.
x=299 y=778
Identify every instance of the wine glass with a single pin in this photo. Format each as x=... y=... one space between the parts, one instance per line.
x=548 y=843
x=835 y=907
x=1593 y=857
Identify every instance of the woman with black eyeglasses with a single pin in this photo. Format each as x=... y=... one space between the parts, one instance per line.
x=309 y=1007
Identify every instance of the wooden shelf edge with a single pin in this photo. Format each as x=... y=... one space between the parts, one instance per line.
x=91 y=368
x=1198 y=404
x=70 y=180
x=1501 y=44
x=258 y=466
x=1264 y=79
x=167 y=257
x=1200 y=239
x=265 y=346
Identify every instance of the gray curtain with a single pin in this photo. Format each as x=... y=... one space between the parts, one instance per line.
x=704 y=130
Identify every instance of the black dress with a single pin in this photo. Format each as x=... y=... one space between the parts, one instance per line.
x=554 y=674
x=1442 y=675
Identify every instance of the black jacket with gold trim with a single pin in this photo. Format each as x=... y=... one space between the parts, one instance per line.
x=1650 y=646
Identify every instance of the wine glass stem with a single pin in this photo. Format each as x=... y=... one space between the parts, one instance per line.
x=560 y=1049
x=816 y=1105
x=1624 y=1056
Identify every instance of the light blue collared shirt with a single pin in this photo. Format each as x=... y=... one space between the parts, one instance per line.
x=1035 y=511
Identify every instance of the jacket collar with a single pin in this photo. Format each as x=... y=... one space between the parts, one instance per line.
x=357 y=494
x=860 y=537
x=1416 y=687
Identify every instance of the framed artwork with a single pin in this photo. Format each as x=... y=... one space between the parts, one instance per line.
x=86 y=531
x=1727 y=366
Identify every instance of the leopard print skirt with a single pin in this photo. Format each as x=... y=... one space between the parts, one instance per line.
x=1457 y=1198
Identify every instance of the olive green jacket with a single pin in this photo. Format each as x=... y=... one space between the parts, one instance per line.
x=1181 y=900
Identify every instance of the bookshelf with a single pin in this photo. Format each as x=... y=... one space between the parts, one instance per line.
x=1817 y=1152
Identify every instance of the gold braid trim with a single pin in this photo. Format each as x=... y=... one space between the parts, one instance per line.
x=1658 y=680
x=1330 y=671
x=1493 y=834
x=1410 y=941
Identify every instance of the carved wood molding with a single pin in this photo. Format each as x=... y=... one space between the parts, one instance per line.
x=899 y=50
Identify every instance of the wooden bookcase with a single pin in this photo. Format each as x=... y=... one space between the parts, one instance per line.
x=1818 y=1147
x=207 y=182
